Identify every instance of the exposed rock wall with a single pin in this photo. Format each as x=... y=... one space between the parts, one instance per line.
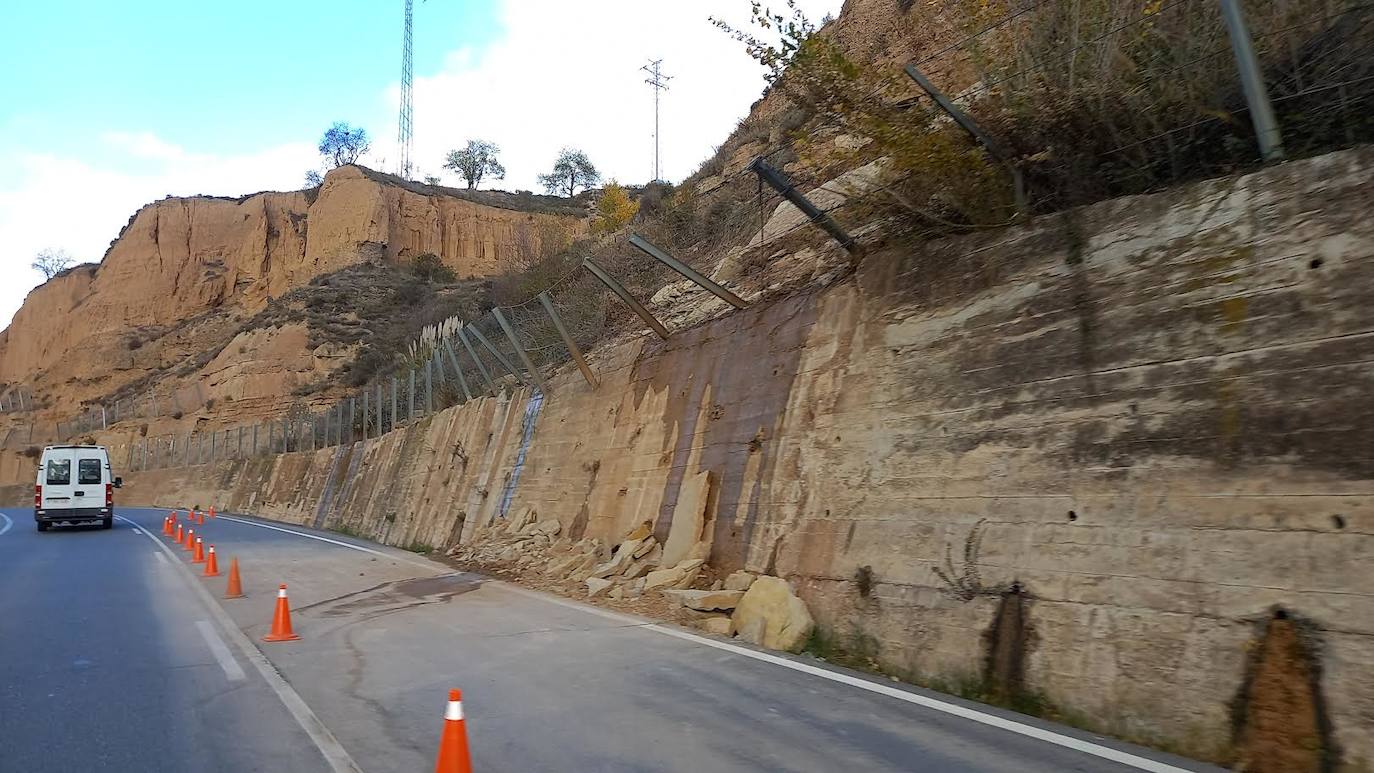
x=1087 y=458
x=181 y=258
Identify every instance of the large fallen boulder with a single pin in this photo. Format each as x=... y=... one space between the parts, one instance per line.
x=769 y=614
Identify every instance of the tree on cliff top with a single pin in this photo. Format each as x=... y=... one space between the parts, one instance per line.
x=343 y=144
x=52 y=262
x=476 y=161
x=572 y=170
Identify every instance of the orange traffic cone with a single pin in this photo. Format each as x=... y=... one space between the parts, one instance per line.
x=190 y=543
x=281 y=620
x=235 y=589
x=166 y=525
x=212 y=511
x=180 y=536
x=453 y=744
x=211 y=565
x=198 y=555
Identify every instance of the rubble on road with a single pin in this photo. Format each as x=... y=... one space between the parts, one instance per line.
x=635 y=574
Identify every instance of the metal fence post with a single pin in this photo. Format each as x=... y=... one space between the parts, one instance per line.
x=395 y=386
x=429 y=390
x=1252 y=81
x=519 y=350
x=213 y=436
x=501 y=358
x=410 y=399
x=567 y=340
x=453 y=360
x=271 y=438
x=482 y=369
x=630 y=300
x=365 y=414
x=352 y=415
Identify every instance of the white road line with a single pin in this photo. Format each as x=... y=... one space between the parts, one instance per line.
x=340 y=543
x=221 y=652
x=329 y=746
x=964 y=712
x=161 y=559
x=138 y=531
x=8 y=523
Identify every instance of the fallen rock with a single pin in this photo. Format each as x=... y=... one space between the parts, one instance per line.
x=618 y=592
x=516 y=523
x=773 y=616
x=647 y=545
x=720 y=625
x=549 y=528
x=707 y=600
x=689 y=518
x=674 y=578
x=739 y=580
x=624 y=556
x=635 y=589
x=641 y=531
x=644 y=565
x=718 y=585
x=596 y=586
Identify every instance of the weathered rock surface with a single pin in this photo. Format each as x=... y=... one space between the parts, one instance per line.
x=690 y=518
x=720 y=625
x=679 y=576
x=773 y=615
x=740 y=580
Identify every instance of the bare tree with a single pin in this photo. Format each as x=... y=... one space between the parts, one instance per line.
x=52 y=262
x=343 y=144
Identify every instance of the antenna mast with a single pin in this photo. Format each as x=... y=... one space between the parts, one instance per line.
x=660 y=83
x=404 y=138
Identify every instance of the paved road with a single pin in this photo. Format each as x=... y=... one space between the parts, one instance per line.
x=97 y=626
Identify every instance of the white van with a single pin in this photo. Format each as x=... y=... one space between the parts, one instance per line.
x=74 y=485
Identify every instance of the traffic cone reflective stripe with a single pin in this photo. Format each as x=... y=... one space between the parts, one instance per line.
x=190 y=543
x=453 y=744
x=198 y=557
x=212 y=511
x=281 y=620
x=235 y=589
x=179 y=535
x=211 y=565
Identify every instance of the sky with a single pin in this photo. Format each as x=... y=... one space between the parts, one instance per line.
x=106 y=107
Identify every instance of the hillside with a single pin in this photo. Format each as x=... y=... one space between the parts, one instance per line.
x=186 y=277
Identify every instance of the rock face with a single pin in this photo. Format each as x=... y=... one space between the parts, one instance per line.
x=181 y=257
x=769 y=614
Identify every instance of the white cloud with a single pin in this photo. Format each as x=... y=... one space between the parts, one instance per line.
x=561 y=74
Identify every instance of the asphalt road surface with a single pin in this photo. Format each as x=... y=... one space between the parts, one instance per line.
x=116 y=656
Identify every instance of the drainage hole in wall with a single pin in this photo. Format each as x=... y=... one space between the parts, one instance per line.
x=1315 y=263
x=1280 y=614
x=1073 y=516
x=1338 y=521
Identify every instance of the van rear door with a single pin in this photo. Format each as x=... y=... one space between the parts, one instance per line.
x=59 y=480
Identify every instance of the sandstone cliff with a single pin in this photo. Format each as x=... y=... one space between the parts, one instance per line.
x=185 y=272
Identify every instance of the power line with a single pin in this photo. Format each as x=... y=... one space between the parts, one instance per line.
x=659 y=81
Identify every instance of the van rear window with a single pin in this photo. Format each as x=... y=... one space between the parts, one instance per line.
x=59 y=472
x=88 y=471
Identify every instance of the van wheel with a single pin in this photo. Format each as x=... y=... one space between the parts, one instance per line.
x=42 y=526
x=106 y=523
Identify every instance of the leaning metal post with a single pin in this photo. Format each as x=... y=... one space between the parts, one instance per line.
x=682 y=268
x=969 y=125
x=1252 y=82
x=519 y=350
x=630 y=300
x=453 y=360
x=567 y=339
x=501 y=358
x=478 y=360
x=777 y=182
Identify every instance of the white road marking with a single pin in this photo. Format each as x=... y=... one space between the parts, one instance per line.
x=8 y=523
x=138 y=531
x=964 y=712
x=221 y=652
x=329 y=746
x=340 y=543
x=954 y=709
x=161 y=559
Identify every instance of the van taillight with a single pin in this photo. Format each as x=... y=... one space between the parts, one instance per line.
x=109 y=495
x=37 y=496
